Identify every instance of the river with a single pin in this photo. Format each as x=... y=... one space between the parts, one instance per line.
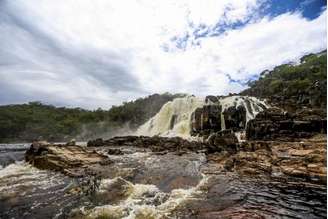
x=143 y=184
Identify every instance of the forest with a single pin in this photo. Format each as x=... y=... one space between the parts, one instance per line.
x=35 y=120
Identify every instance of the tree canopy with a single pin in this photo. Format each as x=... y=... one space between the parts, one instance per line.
x=304 y=84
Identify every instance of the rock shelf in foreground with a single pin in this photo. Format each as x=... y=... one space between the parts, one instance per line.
x=304 y=160
x=70 y=160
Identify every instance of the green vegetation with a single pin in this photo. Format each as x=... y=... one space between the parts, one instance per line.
x=304 y=84
x=26 y=122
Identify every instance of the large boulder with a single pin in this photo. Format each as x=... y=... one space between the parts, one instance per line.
x=206 y=119
x=70 y=160
x=235 y=118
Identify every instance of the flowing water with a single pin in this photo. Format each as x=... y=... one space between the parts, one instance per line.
x=143 y=184
x=174 y=118
x=26 y=192
x=252 y=105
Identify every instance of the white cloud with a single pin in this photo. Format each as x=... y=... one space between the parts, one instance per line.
x=136 y=32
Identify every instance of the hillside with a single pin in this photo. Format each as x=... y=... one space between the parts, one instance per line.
x=294 y=87
x=25 y=122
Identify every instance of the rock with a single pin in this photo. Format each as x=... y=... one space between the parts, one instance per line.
x=252 y=146
x=317 y=168
x=38 y=144
x=285 y=161
x=206 y=119
x=294 y=152
x=96 y=143
x=155 y=143
x=69 y=160
x=222 y=141
x=115 y=151
x=276 y=124
x=295 y=172
x=112 y=191
x=235 y=118
x=211 y=99
x=71 y=142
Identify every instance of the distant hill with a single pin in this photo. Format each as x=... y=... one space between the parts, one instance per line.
x=25 y=122
x=294 y=86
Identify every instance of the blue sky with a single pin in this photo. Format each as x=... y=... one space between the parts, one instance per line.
x=100 y=53
x=310 y=9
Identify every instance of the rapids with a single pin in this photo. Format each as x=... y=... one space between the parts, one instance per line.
x=145 y=184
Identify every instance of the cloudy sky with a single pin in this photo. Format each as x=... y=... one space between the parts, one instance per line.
x=96 y=53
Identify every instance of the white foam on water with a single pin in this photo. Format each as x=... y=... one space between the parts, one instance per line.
x=18 y=167
x=255 y=106
x=140 y=202
x=240 y=136
x=21 y=173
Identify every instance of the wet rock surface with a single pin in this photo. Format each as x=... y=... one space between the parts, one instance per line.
x=71 y=160
x=221 y=141
x=303 y=161
x=206 y=119
x=155 y=143
x=232 y=196
x=276 y=124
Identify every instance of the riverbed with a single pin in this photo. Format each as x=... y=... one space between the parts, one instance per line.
x=145 y=184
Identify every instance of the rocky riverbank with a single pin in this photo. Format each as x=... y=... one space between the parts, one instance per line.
x=303 y=160
x=121 y=177
x=239 y=151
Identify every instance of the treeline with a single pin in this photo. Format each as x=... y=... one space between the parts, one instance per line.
x=294 y=86
x=26 y=122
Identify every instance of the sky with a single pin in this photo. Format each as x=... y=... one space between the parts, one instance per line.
x=99 y=53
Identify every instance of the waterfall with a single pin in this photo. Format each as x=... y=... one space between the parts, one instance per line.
x=223 y=127
x=173 y=119
x=252 y=105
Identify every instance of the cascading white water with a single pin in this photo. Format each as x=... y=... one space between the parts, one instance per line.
x=252 y=105
x=173 y=119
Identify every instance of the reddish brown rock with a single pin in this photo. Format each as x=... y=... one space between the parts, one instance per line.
x=70 y=160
